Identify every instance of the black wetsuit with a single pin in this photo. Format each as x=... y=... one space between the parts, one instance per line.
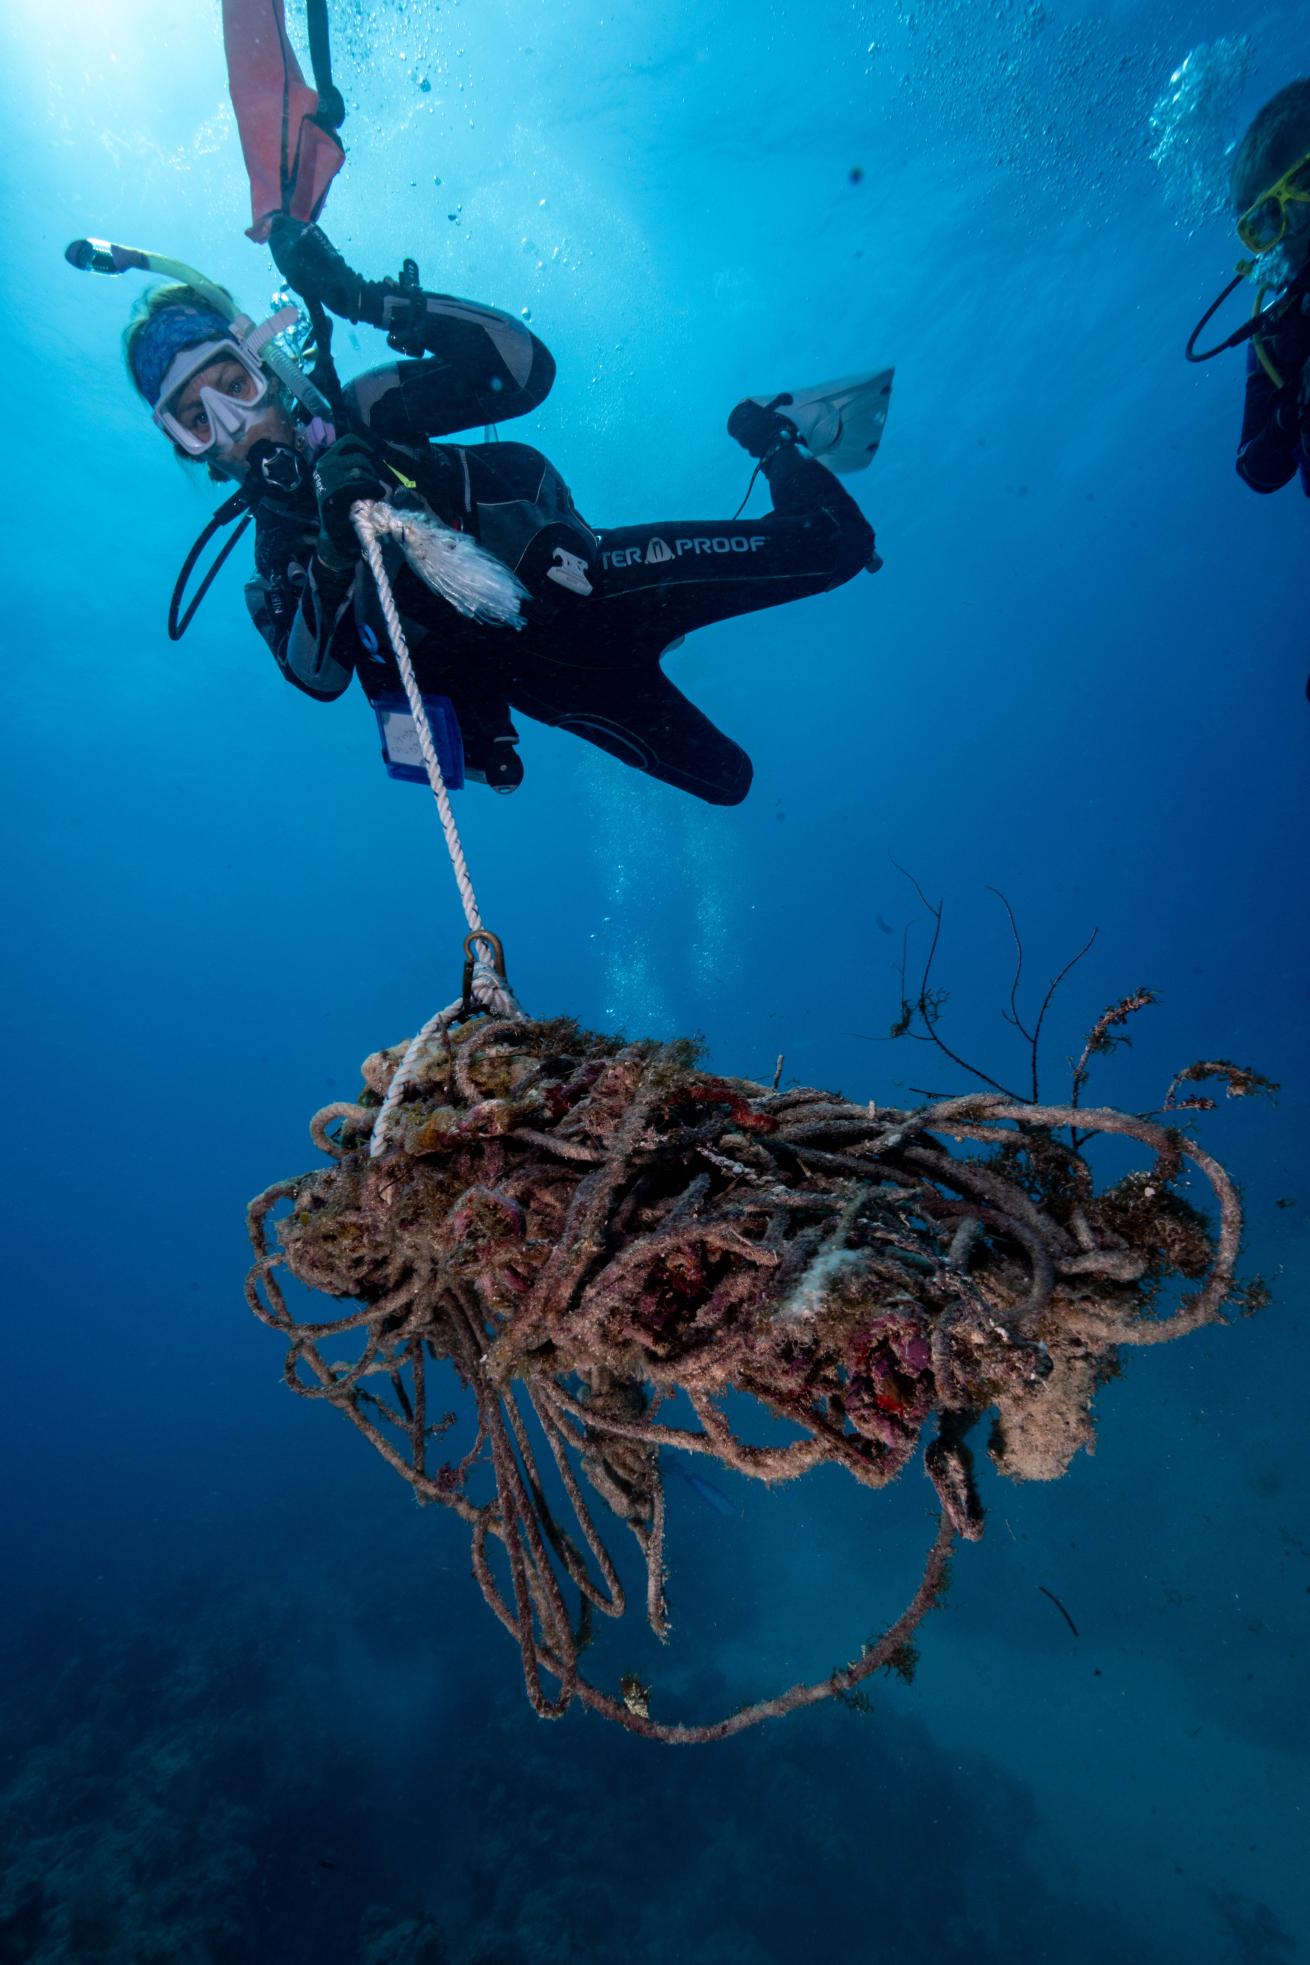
x=604 y=604
x=1275 y=438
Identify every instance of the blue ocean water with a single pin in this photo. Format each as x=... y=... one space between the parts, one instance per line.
x=252 y=1705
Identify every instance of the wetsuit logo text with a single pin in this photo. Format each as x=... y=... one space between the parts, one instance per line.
x=657 y=551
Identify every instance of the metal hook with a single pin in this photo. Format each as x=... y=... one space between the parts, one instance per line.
x=467 y=1007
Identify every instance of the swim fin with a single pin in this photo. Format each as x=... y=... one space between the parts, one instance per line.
x=839 y=422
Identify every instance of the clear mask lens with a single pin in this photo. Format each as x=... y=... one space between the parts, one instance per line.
x=229 y=417
x=1262 y=226
x=219 y=412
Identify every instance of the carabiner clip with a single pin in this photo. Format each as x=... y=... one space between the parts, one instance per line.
x=467 y=1007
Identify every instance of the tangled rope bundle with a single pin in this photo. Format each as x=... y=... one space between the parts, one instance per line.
x=585 y=1228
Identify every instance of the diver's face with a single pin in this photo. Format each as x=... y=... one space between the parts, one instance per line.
x=231 y=379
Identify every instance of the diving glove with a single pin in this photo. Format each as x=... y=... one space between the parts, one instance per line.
x=759 y=429
x=344 y=473
x=310 y=263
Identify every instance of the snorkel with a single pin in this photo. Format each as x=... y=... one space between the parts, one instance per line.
x=260 y=343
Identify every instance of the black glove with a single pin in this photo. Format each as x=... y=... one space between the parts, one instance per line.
x=759 y=430
x=308 y=261
x=346 y=471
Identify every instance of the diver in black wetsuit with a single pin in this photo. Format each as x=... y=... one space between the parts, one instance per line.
x=1271 y=194
x=603 y=605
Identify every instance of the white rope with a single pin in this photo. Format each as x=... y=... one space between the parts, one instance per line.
x=405 y=1072
x=456 y=567
x=372 y=521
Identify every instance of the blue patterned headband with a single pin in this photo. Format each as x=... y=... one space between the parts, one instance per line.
x=164 y=336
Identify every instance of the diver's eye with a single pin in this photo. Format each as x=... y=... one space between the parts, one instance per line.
x=196 y=420
x=237 y=382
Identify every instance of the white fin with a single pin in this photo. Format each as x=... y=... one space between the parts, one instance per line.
x=839 y=422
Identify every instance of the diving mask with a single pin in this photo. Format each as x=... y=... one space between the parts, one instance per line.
x=1263 y=225
x=217 y=418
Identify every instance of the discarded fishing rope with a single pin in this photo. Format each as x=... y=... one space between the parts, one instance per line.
x=583 y=1228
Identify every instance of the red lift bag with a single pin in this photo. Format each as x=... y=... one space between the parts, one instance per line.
x=291 y=158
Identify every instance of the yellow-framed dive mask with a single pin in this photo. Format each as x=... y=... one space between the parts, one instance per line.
x=1263 y=225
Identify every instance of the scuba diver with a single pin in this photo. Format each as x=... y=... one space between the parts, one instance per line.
x=601 y=607
x=1271 y=194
